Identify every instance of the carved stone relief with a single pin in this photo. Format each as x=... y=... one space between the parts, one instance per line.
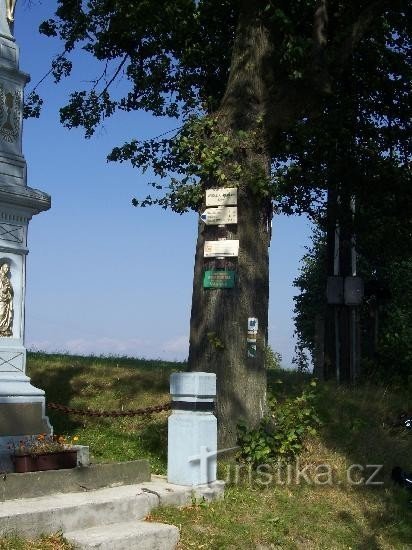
x=10 y=101
x=6 y=301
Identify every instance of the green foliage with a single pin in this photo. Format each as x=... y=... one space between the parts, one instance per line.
x=32 y=105
x=215 y=341
x=282 y=432
x=310 y=301
x=172 y=58
x=273 y=359
x=388 y=282
x=209 y=152
x=202 y=153
x=173 y=55
x=393 y=358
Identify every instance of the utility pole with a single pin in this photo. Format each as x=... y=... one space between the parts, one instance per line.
x=344 y=293
x=344 y=287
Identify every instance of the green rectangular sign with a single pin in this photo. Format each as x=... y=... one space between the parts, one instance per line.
x=219 y=278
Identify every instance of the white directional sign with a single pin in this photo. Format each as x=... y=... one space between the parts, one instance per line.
x=221 y=248
x=221 y=197
x=221 y=215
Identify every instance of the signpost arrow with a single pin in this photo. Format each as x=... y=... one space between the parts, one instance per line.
x=222 y=215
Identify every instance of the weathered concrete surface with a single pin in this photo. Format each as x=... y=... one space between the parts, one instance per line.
x=172 y=495
x=76 y=511
x=125 y=536
x=83 y=455
x=96 y=476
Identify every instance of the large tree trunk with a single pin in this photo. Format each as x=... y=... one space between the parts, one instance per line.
x=218 y=335
x=219 y=319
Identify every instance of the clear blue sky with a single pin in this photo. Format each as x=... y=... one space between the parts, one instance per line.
x=104 y=277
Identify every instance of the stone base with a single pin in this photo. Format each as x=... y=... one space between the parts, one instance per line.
x=6 y=464
x=19 y=419
x=22 y=410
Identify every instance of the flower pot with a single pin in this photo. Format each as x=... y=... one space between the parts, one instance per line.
x=22 y=463
x=47 y=461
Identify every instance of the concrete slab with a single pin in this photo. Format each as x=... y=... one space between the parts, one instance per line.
x=96 y=476
x=170 y=494
x=68 y=512
x=73 y=511
x=125 y=536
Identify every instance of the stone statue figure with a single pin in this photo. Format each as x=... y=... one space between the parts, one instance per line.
x=6 y=302
x=10 y=6
x=7 y=8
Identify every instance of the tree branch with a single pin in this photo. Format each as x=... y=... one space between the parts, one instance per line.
x=318 y=71
x=359 y=28
x=103 y=75
x=49 y=72
x=320 y=22
x=119 y=68
x=292 y=100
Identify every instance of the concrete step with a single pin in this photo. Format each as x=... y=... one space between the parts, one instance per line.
x=68 y=512
x=95 y=476
x=139 y=535
x=74 y=511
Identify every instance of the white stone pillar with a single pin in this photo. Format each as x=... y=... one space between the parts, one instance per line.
x=22 y=406
x=192 y=433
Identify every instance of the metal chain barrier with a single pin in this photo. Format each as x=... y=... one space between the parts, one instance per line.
x=109 y=414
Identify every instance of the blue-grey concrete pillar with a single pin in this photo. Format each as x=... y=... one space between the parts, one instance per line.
x=192 y=434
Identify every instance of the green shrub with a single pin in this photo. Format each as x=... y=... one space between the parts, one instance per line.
x=281 y=433
x=273 y=359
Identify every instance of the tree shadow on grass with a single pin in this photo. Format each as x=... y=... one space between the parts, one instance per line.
x=54 y=375
x=357 y=423
x=153 y=438
x=93 y=381
x=155 y=382
x=365 y=541
x=357 y=429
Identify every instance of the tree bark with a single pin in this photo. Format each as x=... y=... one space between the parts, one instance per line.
x=218 y=330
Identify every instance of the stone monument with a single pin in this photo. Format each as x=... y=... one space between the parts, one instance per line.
x=22 y=406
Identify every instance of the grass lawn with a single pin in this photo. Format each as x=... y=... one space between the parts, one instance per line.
x=108 y=384
x=261 y=510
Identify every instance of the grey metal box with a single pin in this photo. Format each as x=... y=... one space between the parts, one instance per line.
x=353 y=291
x=334 y=290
